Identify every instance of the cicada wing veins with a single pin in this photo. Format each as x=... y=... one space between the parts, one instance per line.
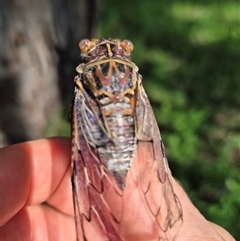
x=153 y=171
x=93 y=186
x=118 y=155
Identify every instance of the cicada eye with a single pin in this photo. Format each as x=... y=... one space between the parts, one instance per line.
x=127 y=46
x=94 y=40
x=85 y=45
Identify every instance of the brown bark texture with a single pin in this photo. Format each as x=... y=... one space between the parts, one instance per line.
x=39 y=51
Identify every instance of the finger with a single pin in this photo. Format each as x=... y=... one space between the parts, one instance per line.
x=39 y=222
x=32 y=172
x=195 y=226
x=222 y=232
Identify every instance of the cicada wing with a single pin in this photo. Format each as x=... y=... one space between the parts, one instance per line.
x=154 y=174
x=93 y=186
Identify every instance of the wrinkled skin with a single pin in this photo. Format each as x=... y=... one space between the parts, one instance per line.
x=36 y=198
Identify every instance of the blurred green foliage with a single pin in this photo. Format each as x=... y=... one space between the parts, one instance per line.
x=188 y=53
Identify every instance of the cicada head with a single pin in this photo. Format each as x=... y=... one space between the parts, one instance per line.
x=97 y=49
x=106 y=70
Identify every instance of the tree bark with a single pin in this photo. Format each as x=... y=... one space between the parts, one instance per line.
x=38 y=56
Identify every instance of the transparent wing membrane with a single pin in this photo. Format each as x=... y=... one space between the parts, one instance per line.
x=120 y=172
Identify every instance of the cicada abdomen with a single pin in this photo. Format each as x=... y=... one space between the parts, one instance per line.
x=122 y=186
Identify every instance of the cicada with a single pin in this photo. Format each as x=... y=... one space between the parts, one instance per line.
x=122 y=187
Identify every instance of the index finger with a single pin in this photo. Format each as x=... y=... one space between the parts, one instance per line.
x=31 y=172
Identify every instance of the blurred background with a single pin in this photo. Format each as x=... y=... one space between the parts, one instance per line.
x=188 y=53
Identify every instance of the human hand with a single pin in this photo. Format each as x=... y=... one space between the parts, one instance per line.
x=36 y=199
x=35 y=191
